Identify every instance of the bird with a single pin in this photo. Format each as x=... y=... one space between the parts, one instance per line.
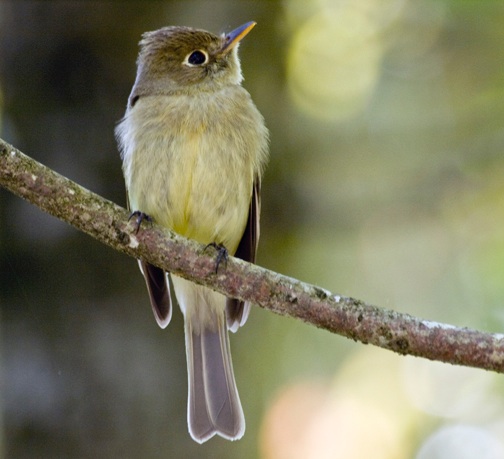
x=194 y=148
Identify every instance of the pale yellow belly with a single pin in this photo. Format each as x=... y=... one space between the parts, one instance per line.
x=195 y=187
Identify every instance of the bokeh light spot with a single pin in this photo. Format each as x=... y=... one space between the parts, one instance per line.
x=333 y=63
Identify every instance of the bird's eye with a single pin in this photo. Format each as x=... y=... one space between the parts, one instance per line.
x=197 y=57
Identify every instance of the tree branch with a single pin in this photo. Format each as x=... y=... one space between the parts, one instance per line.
x=349 y=317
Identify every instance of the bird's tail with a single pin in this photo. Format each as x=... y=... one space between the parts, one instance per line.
x=214 y=404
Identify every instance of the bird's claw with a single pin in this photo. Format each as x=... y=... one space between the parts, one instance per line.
x=140 y=217
x=222 y=254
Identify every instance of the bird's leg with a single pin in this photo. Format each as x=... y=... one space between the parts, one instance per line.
x=222 y=254
x=140 y=217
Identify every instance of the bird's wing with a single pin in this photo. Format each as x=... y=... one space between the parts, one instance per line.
x=238 y=311
x=158 y=287
x=159 y=292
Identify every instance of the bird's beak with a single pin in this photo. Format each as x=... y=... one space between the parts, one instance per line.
x=234 y=37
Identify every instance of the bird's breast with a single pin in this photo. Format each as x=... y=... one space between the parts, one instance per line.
x=190 y=164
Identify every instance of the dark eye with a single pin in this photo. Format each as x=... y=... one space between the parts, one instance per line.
x=197 y=57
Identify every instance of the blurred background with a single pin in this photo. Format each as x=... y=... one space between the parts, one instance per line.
x=386 y=183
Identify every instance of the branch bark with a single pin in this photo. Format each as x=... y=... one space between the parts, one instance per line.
x=349 y=317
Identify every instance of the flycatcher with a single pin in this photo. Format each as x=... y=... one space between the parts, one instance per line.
x=194 y=146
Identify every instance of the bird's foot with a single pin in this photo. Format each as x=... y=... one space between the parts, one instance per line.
x=222 y=254
x=140 y=217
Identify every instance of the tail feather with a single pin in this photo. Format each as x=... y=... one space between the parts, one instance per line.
x=214 y=404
